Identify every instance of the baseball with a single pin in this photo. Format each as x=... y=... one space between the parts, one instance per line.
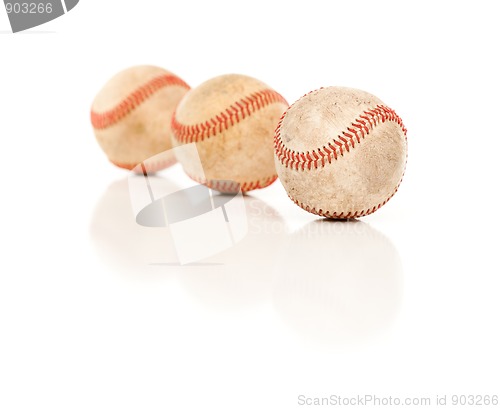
x=131 y=115
x=231 y=119
x=340 y=152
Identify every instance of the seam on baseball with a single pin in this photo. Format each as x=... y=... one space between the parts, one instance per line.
x=232 y=115
x=102 y=120
x=361 y=127
x=228 y=187
x=346 y=140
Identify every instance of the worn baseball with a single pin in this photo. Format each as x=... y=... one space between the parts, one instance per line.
x=131 y=115
x=231 y=119
x=340 y=152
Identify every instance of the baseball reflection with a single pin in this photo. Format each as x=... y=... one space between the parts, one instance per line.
x=123 y=244
x=241 y=276
x=338 y=282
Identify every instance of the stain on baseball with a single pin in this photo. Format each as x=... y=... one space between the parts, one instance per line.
x=340 y=152
x=231 y=119
x=131 y=115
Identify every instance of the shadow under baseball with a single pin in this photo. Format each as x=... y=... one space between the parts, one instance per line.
x=338 y=283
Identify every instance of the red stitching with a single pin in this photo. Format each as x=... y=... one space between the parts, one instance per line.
x=232 y=115
x=106 y=119
x=360 y=128
x=346 y=140
x=231 y=187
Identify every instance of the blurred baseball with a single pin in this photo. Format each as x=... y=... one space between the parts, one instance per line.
x=340 y=152
x=231 y=119
x=132 y=112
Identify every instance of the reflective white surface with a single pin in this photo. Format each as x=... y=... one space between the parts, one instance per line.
x=97 y=312
x=337 y=281
x=340 y=282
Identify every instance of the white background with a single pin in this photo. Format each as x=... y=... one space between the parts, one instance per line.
x=402 y=303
